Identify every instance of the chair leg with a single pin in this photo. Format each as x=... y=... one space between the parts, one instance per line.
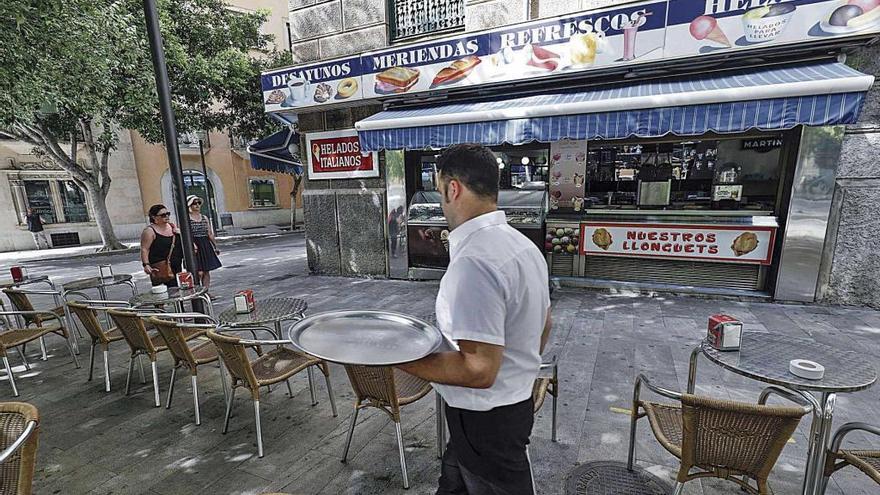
x=195 y=385
x=354 y=419
x=155 y=367
x=171 y=387
x=632 y=438
x=289 y=389
x=228 y=410
x=330 y=393
x=259 y=428
x=402 y=457
x=24 y=360
x=141 y=365
x=441 y=425
x=553 y=421
x=128 y=376
x=311 y=373
x=679 y=487
x=106 y=370
x=91 y=361
x=10 y=375
x=45 y=356
x=74 y=350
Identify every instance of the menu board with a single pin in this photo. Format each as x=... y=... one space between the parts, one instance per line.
x=626 y=35
x=727 y=243
x=568 y=168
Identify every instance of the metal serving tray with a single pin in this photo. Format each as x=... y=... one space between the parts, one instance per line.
x=373 y=338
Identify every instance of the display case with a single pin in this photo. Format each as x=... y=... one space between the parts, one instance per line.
x=428 y=233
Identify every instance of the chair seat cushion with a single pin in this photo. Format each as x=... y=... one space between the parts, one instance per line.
x=866 y=460
x=114 y=334
x=410 y=388
x=666 y=423
x=279 y=364
x=204 y=352
x=17 y=336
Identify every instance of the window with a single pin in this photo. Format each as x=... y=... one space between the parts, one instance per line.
x=190 y=140
x=410 y=18
x=262 y=193
x=57 y=201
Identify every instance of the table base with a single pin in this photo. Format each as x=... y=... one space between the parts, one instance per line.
x=601 y=477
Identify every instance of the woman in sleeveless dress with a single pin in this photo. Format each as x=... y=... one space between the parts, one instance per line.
x=203 y=239
x=157 y=241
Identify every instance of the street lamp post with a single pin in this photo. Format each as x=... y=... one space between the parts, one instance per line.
x=170 y=130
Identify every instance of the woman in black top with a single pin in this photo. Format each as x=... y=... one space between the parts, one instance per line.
x=156 y=243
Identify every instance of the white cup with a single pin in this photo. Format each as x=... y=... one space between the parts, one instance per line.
x=298 y=88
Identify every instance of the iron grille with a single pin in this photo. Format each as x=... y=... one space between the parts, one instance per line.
x=419 y=17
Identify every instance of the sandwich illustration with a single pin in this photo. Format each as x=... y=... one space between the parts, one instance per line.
x=602 y=238
x=745 y=243
x=396 y=80
x=456 y=71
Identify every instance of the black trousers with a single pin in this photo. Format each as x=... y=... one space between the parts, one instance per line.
x=486 y=453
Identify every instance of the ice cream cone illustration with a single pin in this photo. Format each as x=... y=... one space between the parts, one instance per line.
x=602 y=238
x=444 y=238
x=745 y=243
x=706 y=27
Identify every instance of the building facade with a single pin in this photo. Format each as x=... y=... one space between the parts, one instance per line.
x=820 y=182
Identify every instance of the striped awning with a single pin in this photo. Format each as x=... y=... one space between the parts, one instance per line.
x=273 y=153
x=774 y=98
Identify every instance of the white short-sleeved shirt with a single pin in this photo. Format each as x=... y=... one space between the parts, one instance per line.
x=495 y=291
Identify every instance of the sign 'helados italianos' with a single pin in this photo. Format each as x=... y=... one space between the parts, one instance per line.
x=623 y=35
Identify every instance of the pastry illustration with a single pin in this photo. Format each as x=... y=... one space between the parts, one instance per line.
x=577 y=203
x=706 y=27
x=542 y=58
x=745 y=243
x=276 y=97
x=456 y=71
x=602 y=238
x=849 y=16
x=346 y=88
x=323 y=92
x=396 y=80
x=766 y=23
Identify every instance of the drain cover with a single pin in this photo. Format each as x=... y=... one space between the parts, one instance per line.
x=612 y=478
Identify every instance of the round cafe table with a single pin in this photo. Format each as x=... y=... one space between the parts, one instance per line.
x=273 y=310
x=174 y=296
x=36 y=279
x=765 y=357
x=99 y=283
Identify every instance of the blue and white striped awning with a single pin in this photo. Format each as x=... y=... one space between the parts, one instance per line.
x=273 y=153
x=766 y=99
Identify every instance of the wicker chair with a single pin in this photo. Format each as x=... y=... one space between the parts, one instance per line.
x=21 y=301
x=721 y=439
x=274 y=366
x=387 y=389
x=868 y=461
x=173 y=330
x=15 y=337
x=20 y=428
x=88 y=312
x=547 y=382
x=143 y=343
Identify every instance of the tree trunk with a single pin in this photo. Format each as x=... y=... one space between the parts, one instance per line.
x=102 y=218
x=297 y=183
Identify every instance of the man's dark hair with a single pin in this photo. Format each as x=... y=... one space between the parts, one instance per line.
x=473 y=165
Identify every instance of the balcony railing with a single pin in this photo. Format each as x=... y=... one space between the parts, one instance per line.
x=190 y=140
x=412 y=18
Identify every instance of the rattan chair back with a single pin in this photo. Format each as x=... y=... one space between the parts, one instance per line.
x=17 y=473
x=132 y=328
x=89 y=319
x=730 y=438
x=174 y=337
x=375 y=384
x=21 y=302
x=235 y=358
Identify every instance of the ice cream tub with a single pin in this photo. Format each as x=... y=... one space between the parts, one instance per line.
x=767 y=23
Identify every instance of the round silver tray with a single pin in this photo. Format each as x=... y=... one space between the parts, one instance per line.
x=373 y=338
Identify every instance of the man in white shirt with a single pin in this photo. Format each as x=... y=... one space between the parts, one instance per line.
x=493 y=304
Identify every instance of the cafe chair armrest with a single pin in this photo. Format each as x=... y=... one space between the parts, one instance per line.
x=253 y=331
x=548 y=369
x=28 y=313
x=39 y=292
x=848 y=428
x=642 y=379
x=807 y=403
x=185 y=316
x=28 y=431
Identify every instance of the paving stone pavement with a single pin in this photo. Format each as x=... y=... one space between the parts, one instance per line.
x=93 y=442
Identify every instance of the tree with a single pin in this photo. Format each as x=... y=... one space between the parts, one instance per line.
x=78 y=71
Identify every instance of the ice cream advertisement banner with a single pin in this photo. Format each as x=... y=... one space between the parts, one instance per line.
x=732 y=244
x=337 y=155
x=627 y=34
x=568 y=168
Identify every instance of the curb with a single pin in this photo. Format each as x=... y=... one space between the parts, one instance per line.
x=135 y=249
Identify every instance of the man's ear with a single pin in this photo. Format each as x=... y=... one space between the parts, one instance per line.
x=454 y=188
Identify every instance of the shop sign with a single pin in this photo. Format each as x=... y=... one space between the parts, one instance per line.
x=762 y=145
x=624 y=35
x=727 y=243
x=337 y=155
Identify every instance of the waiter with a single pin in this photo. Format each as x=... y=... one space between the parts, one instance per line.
x=494 y=305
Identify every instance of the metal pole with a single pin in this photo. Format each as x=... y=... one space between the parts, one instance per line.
x=209 y=200
x=169 y=128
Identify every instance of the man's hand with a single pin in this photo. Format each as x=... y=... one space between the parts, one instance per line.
x=475 y=365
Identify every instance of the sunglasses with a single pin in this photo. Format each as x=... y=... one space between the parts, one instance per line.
x=199 y=203
x=164 y=215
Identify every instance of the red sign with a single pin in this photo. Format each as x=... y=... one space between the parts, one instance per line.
x=337 y=155
x=728 y=243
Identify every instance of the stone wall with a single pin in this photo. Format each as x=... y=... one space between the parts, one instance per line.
x=852 y=264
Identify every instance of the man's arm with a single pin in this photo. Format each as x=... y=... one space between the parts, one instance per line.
x=545 y=336
x=475 y=365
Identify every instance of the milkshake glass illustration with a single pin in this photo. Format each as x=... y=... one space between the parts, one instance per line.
x=629 y=41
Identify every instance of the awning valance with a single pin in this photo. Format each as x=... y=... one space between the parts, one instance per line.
x=273 y=153
x=767 y=99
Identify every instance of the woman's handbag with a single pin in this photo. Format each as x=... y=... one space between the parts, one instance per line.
x=162 y=272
